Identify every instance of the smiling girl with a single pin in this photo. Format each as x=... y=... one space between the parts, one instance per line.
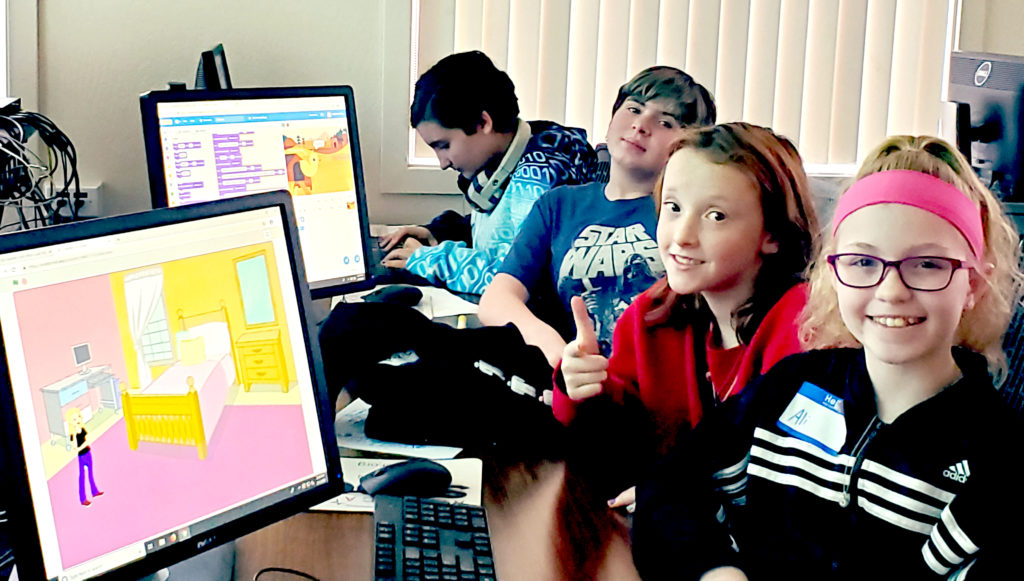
x=734 y=232
x=890 y=455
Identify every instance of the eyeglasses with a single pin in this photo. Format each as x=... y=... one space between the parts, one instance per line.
x=922 y=273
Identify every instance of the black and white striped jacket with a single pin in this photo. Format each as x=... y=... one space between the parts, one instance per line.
x=936 y=494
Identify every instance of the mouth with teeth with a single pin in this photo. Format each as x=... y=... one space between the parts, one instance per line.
x=686 y=261
x=897 y=322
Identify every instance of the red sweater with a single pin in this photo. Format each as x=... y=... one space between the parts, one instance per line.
x=656 y=364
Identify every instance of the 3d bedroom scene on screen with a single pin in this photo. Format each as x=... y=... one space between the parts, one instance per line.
x=162 y=398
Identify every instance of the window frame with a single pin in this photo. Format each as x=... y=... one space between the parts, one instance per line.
x=20 y=48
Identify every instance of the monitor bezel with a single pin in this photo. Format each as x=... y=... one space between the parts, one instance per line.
x=158 y=185
x=15 y=484
x=979 y=96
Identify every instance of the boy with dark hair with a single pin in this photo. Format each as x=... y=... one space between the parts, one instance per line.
x=467 y=111
x=597 y=240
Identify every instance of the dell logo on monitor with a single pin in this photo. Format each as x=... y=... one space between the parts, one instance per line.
x=206 y=541
x=982 y=72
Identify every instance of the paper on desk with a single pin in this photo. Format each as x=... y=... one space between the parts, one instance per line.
x=378 y=230
x=436 y=302
x=350 y=431
x=467 y=475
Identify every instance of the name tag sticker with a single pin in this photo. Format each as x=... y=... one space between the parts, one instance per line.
x=815 y=416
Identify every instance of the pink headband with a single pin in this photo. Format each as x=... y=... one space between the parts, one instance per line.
x=913 y=188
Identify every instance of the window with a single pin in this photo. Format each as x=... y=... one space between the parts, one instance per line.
x=20 y=66
x=156 y=339
x=836 y=76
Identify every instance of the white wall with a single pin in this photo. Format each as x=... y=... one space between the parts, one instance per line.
x=97 y=56
x=992 y=26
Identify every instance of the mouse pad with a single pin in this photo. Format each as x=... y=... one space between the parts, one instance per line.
x=467 y=475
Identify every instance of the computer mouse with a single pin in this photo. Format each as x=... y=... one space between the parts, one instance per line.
x=415 y=477
x=396 y=294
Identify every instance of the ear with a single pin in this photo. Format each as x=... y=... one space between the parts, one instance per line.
x=486 y=124
x=979 y=286
x=769 y=245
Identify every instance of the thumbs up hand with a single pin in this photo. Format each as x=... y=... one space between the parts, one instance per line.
x=583 y=366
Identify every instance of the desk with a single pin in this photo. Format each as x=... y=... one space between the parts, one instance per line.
x=544 y=525
x=59 y=394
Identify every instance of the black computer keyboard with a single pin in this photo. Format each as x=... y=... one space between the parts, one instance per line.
x=427 y=539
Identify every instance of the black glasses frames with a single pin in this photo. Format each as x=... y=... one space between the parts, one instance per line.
x=920 y=273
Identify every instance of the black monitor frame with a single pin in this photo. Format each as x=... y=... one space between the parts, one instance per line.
x=989 y=92
x=158 y=186
x=15 y=485
x=212 y=73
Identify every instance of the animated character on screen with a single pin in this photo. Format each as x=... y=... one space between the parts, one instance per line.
x=304 y=156
x=77 y=433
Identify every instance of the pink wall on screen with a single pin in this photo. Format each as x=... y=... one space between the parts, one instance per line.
x=56 y=317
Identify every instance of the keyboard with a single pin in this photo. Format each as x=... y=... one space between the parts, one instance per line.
x=430 y=540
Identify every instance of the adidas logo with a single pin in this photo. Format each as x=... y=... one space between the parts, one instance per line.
x=958 y=472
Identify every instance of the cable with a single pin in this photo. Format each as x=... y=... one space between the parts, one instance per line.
x=283 y=570
x=41 y=191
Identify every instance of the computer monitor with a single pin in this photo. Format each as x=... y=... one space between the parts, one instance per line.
x=990 y=91
x=203 y=415
x=82 y=354
x=211 y=145
x=212 y=73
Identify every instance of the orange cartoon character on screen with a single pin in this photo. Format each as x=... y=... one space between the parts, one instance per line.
x=77 y=435
x=303 y=163
x=318 y=163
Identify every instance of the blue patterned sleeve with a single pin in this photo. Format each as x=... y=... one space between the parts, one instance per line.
x=453 y=265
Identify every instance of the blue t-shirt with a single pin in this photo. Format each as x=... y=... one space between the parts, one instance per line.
x=576 y=241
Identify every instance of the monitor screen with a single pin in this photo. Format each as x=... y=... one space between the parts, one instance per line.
x=81 y=354
x=203 y=414
x=211 y=145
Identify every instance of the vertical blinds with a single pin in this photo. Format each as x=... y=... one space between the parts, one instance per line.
x=836 y=76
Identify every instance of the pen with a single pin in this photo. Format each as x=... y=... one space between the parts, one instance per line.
x=461 y=322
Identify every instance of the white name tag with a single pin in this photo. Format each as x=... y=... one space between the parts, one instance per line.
x=816 y=416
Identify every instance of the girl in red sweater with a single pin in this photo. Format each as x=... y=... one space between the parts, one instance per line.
x=736 y=230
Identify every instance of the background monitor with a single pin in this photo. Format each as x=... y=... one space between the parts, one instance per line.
x=212 y=73
x=211 y=145
x=990 y=91
x=81 y=353
x=172 y=303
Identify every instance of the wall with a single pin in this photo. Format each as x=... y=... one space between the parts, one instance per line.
x=97 y=56
x=992 y=26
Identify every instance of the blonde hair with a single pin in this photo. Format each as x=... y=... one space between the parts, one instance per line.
x=981 y=328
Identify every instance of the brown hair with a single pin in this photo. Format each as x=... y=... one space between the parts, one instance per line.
x=981 y=327
x=775 y=167
x=695 y=104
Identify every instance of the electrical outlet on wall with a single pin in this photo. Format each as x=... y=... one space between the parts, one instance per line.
x=91 y=198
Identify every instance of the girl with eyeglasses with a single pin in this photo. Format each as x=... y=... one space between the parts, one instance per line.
x=889 y=455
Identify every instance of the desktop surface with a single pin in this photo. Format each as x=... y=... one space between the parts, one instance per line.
x=544 y=525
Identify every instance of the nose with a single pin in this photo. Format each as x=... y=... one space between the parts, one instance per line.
x=641 y=124
x=891 y=288
x=684 y=232
x=445 y=162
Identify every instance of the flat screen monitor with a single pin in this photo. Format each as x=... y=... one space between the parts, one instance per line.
x=212 y=73
x=203 y=415
x=81 y=353
x=221 y=144
x=990 y=91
